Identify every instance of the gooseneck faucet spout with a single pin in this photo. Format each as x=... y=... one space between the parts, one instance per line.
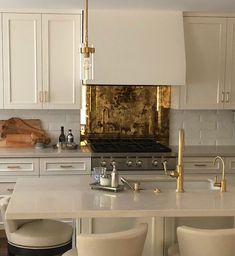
x=222 y=183
x=179 y=172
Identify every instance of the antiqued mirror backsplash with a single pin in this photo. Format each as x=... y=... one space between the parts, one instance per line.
x=128 y=112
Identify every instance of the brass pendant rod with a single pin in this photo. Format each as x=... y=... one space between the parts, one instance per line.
x=86 y=24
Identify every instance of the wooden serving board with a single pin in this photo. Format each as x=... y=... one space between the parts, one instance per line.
x=17 y=132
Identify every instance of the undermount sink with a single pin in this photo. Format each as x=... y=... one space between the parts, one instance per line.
x=170 y=184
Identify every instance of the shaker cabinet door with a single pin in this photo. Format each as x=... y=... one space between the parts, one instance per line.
x=205 y=42
x=61 y=80
x=230 y=66
x=22 y=60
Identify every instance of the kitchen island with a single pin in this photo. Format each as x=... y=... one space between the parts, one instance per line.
x=72 y=198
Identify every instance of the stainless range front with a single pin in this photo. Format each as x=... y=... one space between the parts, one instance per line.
x=140 y=163
x=143 y=156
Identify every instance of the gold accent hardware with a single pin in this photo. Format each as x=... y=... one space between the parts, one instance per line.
x=137 y=187
x=222 y=97
x=222 y=183
x=227 y=97
x=13 y=167
x=200 y=165
x=66 y=166
x=41 y=96
x=10 y=189
x=179 y=172
x=87 y=51
x=45 y=96
x=157 y=190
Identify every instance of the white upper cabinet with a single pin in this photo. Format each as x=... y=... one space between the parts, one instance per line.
x=230 y=66
x=137 y=47
x=61 y=79
x=41 y=61
x=22 y=60
x=210 y=62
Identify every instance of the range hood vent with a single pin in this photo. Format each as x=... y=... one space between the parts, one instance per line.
x=138 y=47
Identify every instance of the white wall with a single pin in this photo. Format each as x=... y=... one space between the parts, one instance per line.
x=51 y=120
x=203 y=127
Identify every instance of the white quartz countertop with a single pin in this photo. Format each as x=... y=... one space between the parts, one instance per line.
x=69 y=197
x=190 y=151
x=45 y=152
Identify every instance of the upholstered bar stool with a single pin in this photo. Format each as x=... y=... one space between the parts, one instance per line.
x=36 y=237
x=203 y=242
x=124 y=243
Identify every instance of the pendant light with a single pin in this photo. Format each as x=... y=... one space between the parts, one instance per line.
x=86 y=52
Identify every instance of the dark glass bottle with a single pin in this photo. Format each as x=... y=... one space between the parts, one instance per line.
x=62 y=137
x=70 y=138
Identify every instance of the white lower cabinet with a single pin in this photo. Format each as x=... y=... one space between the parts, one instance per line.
x=13 y=168
x=200 y=165
x=16 y=167
x=64 y=166
x=205 y=166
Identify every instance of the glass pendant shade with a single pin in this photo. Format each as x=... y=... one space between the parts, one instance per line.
x=86 y=64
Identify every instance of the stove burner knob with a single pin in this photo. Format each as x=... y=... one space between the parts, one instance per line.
x=113 y=162
x=129 y=162
x=139 y=163
x=155 y=162
x=103 y=163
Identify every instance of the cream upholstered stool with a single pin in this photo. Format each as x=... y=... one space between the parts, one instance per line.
x=36 y=237
x=203 y=242
x=124 y=243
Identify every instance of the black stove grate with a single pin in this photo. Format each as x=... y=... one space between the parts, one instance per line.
x=126 y=145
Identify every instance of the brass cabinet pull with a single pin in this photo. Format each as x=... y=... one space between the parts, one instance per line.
x=10 y=189
x=13 y=167
x=66 y=166
x=46 y=96
x=200 y=165
x=41 y=96
x=222 y=97
x=227 y=97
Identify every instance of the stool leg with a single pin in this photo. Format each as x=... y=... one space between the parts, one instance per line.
x=9 y=253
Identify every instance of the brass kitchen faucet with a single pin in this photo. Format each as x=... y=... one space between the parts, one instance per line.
x=222 y=183
x=179 y=172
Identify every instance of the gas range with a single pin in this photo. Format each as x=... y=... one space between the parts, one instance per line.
x=131 y=155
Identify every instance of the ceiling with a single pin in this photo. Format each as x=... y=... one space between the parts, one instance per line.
x=183 y=5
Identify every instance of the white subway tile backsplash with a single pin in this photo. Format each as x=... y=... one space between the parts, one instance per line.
x=203 y=127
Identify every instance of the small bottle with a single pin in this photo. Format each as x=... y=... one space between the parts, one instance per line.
x=70 y=138
x=114 y=177
x=62 y=137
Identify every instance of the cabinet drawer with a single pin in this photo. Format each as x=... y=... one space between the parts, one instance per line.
x=19 y=166
x=65 y=166
x=230 y=165
x=201 y=165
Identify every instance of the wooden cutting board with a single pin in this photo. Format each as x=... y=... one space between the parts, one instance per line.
x=16 y=132
x=36 y=123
